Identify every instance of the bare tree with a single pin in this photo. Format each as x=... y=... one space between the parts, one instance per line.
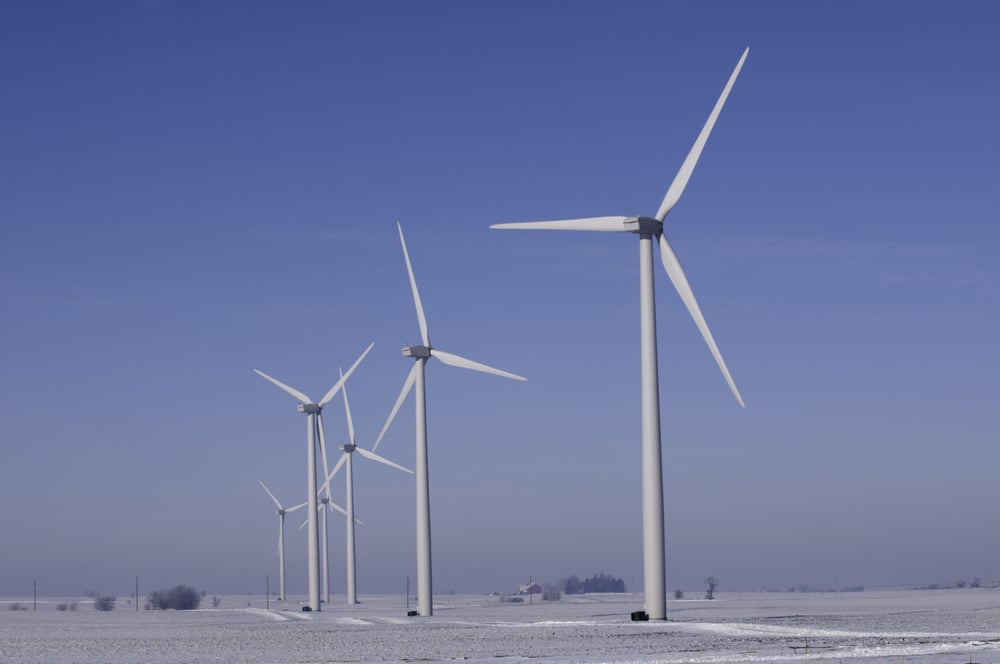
x=104 y=602
x=712 y=583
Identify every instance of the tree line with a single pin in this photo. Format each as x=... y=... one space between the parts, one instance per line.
x=599 y=583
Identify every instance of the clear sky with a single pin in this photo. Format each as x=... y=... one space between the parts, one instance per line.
x=191 y=191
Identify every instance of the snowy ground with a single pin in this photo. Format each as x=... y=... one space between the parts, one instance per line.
x=956 y=626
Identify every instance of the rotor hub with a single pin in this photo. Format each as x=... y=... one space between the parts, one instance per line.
x=416 y=351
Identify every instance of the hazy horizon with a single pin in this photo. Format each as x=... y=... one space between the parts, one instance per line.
x=125 y=591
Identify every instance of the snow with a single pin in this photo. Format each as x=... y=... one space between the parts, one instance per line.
x=918 y=627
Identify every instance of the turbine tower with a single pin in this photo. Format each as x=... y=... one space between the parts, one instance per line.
x=420 y=355
x=648 y=228
x=347 y=460
x=282 y=511
x=312 y=410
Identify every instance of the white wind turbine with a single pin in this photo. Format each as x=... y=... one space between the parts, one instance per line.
x=332 y=506
x=326 y=505
x=347 y=459
x=312 y=410
x=421 y=354
x=282 y=511
x=647 y=228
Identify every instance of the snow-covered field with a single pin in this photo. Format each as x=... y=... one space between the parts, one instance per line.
x=954 y=626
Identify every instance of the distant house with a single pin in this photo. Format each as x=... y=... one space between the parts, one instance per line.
x=529 y=589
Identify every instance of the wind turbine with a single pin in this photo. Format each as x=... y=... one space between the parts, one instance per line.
x=347 y=459
x=647 y=228
x=326 y=505
x=325 y=502
x=333 y=507
x=313 y=431
x=282 y=511
x=420 y=355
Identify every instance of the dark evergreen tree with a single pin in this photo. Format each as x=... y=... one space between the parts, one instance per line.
x=181 y=598
x=603 y=583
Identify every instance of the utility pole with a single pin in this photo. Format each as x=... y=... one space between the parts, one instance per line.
x=137 y=593
x=267 y=592
x=34 y=594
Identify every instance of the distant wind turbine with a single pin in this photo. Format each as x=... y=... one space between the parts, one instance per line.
x=421 y=354
x=647 y=228
x=312 y=410
x=282 y=511
x=333 y=507
x=326 y=504
x=347 y=459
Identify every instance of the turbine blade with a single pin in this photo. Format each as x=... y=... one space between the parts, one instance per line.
x=687 y=168
x=347 y=409
x=318 y=509
x=413 y=286
x=605 y=224
x=375 y=457
x=306 y=522
x=338 y=508
x=291 y=390
x=272 y=496
x=322 y=450
x=680 y=282
x=299 y=506
x=329 y=477
x=356 y=519
x=333 y=390
x=457 y=361
x=407 y=386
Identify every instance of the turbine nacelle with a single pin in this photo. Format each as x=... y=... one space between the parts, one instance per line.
x=417 y=351
x=643 y=225
x=309 y=408
x=348 y=447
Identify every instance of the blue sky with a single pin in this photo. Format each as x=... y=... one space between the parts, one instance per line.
x=196 y=190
